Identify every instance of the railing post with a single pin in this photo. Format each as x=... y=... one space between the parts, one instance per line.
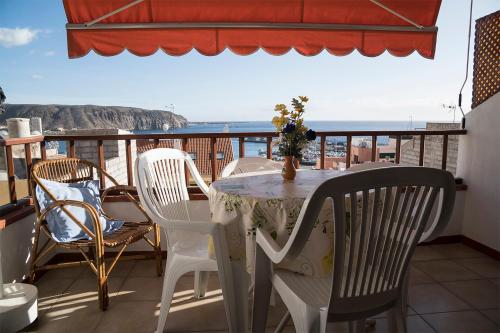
x=101 y=161
x=241 y=147
x=213 y=161
x=374 y=148
x=29 y=163
x=186 y=173
x=128 y=156
x=71 y=150
x=398 y=149
x=322 y=152
x=422 y=150
x=445 y=152
x=269 y=150
x=43 y=150
x=348 y=152
x=157 y=143
x=11 y=178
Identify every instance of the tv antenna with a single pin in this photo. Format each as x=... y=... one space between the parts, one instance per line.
x=451 y=108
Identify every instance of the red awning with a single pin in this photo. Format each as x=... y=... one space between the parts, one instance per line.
x=243 y=26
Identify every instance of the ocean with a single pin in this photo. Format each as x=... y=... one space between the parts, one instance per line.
x=252 y=148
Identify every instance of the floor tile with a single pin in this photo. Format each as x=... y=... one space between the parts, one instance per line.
x=430 y=298
x=419 y=277
x=69 y=318
x=427 y=253
x=124 y=317
x=89 y=286
x=64 y=273
x=457 y=251
x=52 y=287
x=141 y=289
x=485 y=267
x=145 y=268
x=464 y=321
x=496 y=281
x=413 y=324
x=121 y=269
x=481 y=294
x=68 y=298
x=492 y=314
x=445 y=270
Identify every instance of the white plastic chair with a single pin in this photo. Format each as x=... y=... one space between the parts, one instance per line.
x=372 y=249
x=250 y=164
x=161 y=184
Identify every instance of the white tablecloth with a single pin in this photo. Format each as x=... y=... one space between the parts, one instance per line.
x=263 y=199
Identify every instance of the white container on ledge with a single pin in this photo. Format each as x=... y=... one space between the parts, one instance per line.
x=18 y=305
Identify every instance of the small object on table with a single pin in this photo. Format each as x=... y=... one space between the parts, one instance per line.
x=288 y=171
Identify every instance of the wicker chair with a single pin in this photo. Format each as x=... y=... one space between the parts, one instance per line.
x=70 y=170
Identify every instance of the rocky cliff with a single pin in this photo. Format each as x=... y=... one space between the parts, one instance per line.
x=93 y=116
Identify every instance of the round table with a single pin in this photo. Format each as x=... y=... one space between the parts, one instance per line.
x=263 y=199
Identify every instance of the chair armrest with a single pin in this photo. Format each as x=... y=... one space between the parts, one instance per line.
x=196 y=175
x=269 y=246
x=89 y=208
x=120 y=188
x=126 y=189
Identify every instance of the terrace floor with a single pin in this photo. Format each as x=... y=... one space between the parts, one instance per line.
x=453 y=288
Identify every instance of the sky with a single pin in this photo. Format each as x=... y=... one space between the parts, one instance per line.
x=35 y=68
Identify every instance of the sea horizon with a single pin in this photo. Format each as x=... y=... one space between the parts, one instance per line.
x=265 y=126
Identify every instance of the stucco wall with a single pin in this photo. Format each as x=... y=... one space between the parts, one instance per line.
x=15 y=245
x=433 y=150
x=479 y=166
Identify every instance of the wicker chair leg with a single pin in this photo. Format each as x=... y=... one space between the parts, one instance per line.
x=102 y=281
x=159 y=266
x=34 y=250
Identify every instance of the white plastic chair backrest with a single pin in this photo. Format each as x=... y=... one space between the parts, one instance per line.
x=373 y=243
x=429 y=230
x=250 y=164
x=161 y=183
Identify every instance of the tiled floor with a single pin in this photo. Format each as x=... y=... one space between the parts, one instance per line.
x=453 y=288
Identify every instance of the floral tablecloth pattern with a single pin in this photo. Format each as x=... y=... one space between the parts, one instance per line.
x=263 y=199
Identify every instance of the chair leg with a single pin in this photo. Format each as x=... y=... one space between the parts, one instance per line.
x=357 y=326
x=396 y=319
x=158 y=255
x=262 y=291
x=34 y=250
x=169 y=282
x=404 y=294
x=102 y=279
x=200 y=283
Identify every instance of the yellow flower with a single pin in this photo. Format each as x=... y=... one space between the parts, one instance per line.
x=280 y=107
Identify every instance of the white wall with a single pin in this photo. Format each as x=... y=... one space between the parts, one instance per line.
x=479 y=166
x=15 y=243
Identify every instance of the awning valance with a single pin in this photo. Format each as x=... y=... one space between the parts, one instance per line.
x=243 y=26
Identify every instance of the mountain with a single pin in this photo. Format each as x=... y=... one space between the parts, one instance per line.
x=94 y=116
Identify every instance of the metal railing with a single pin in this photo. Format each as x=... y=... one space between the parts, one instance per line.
x=128 y=138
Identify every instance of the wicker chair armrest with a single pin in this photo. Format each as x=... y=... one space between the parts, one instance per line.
x=118 y=188
x=94 y=215
x=126 y=190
